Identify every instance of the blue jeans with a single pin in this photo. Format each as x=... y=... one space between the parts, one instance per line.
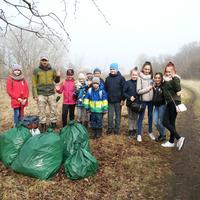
x=158 y=116
x=149 y=105
x=114 y=109
x=17 y=116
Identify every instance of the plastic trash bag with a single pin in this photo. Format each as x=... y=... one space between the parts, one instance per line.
x=80 y=164
x=40 y=157
x=70 y=135
x=11 y=142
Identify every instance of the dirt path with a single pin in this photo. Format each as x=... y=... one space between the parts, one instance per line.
x=185 y=183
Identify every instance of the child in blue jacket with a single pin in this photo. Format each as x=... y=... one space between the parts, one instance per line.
x=96 y=103
x=80 y=92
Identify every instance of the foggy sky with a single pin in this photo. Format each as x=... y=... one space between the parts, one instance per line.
x=137 y=27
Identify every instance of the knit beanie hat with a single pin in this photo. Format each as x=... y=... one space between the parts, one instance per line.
x=81 y=76
x=114 y=66
x=70 y=72
x=16 y=67
x=97 y=70
x=96 y=80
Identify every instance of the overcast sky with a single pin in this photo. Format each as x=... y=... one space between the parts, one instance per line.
x=150 y=27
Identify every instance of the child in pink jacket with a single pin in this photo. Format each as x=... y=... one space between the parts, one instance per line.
x=67 y=87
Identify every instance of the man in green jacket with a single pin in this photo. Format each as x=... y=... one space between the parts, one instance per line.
x=43 y=83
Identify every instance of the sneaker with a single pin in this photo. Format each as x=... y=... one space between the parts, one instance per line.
x=168 y=144
x=151 y=136
x=180 y=143
x=139 y=138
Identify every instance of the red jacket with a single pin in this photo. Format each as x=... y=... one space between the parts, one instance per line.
x=17 y=89
x=68 y=89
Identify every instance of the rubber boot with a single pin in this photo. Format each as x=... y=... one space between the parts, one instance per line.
x=95 y=133
x=53 y=125
x=43 y=128
x=99 y=132
x=86 y=124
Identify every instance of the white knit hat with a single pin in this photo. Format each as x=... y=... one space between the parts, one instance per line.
x=16 y=67
x=81 y=76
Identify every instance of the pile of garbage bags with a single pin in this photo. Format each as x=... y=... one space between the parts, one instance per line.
x=42 y=155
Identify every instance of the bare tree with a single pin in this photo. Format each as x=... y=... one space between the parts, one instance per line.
x=25 y=48
x=36 y=21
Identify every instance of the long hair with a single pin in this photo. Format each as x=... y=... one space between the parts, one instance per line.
x=161 y=76
x=170 y=64
x=151 y=68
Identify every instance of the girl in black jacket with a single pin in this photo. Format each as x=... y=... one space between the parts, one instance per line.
x=159 y=105
x=172 y=94
x=130 y=93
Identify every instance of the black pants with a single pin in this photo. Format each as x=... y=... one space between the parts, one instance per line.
x=65 y=110
x=169 y=121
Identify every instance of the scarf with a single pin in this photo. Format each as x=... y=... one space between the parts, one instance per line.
x=17 y=78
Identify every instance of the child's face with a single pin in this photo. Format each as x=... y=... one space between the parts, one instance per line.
x=157 y=79
x=95 y=86
x=113 y=71
x=97 y=74
x=81 y=80
x=70 y=77
x=146 y=69
x=89 y=77
x=134 y=75
x=168 y=71
x=17 y=72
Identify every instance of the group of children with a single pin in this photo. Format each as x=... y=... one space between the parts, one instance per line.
x=92 y=98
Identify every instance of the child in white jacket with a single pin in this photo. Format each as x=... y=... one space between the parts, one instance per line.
x=145 y=90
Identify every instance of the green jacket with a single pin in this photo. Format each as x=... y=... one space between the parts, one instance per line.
x=43 y=81
x=171 y=88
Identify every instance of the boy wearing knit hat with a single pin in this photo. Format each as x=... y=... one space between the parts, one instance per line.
x=80 y=92
x=114 y=87
x=96 y=103
x=17 y=89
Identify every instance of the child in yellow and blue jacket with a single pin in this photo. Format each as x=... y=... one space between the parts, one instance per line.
x=96 y=103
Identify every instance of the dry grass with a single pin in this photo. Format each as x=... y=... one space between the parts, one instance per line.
x=128 y=170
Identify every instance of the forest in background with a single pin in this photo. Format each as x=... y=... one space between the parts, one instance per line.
x=26 y=48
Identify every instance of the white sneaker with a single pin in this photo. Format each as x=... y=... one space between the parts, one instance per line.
x=139 y=138
x=151 y=136
x=180 y=143
x=168 y=144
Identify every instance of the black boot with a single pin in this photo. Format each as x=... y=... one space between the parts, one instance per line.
x=53 y=125
x=99 y=132
x=86 y=124
x=94 y=130
x=131 y=133
x=43 y=128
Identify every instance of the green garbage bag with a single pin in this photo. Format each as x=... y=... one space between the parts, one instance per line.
x=40 y=157
x=80 y=164
x=70 y=135
x=11 y=142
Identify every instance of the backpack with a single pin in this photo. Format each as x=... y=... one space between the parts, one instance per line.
x=100 y=92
